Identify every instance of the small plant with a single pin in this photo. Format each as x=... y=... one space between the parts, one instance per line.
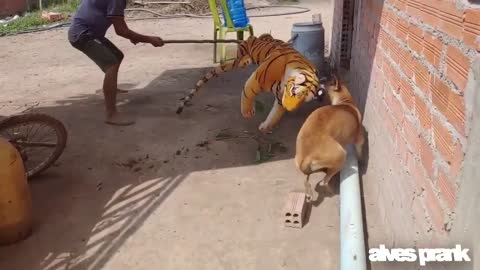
x=68 y=7
x=31 y=20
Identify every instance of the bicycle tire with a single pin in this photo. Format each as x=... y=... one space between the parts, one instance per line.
x=60 y=132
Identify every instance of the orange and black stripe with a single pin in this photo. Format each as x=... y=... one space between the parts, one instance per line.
x=255 y=49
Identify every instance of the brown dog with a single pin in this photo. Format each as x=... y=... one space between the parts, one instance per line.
x=323 y=136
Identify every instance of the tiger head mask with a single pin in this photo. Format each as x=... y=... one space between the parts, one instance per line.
x=301 y=88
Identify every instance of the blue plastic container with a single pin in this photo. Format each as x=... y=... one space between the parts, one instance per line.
x=238 y=13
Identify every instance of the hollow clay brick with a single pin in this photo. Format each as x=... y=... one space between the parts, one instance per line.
x=295 y=209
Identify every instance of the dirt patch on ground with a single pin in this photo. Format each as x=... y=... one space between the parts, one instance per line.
x=194 y=7
x=197 y=7
x=171 y=191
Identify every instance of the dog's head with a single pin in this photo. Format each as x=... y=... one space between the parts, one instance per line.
x=337 y=91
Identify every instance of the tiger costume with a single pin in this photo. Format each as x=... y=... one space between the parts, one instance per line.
x=291 y=78
x=253 y=50
x=282 y=70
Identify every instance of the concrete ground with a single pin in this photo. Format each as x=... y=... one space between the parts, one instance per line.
x=151 y=195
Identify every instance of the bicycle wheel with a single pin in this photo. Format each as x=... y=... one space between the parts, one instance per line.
x=33 y=135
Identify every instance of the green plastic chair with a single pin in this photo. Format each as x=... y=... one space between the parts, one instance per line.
x=220 y=30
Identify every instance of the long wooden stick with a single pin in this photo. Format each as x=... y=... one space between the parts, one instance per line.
x=161 y=2
x=201 y=41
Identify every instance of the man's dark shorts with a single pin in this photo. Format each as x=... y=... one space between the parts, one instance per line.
x=100 y=50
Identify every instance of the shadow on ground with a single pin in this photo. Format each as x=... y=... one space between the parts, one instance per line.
x=111 y=179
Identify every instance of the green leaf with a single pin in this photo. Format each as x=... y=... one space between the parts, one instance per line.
x=280 y=147
x=263 y=155
x=258 y=156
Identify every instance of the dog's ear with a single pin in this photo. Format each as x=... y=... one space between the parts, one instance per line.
x=334 y=76
x=336 y=82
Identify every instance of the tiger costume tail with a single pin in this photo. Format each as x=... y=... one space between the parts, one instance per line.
x=253 y=50
x=212 y=73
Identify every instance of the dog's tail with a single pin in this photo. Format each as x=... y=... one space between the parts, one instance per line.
x=304 y=165
x=310 y=164
x=359 y=141
x=330 y=155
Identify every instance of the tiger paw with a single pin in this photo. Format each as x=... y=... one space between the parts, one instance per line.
x=265 y=128
x=248 y=112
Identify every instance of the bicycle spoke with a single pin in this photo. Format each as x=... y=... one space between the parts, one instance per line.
x=35 y=151
x=14 y=131
x=35 y=131
x=49 y=132
x=28 y=127
x=9 y=134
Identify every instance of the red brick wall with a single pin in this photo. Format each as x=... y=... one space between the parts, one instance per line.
x=12 y=7
x=409 y=68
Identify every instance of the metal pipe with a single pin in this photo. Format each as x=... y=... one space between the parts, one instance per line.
x=352 y=243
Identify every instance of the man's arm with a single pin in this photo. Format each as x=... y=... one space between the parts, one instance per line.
x=122 y=30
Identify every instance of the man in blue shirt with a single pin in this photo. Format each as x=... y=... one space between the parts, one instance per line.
x=87 y=34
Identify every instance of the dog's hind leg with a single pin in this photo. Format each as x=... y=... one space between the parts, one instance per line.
x=333 y=157
x=308 y=188
x=328 y=184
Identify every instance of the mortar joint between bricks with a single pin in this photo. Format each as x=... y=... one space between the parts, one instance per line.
x=434 y=111
x=418 y=92
x=441 y=164
x=465 y=4
x=445 y=38
x=426 y=216
x=403 y=135
x=436 y=193
x=443 y=205
x=461 y=4
x=443 y=60
x=430 y=67
x=389 y=111
x=438 y=159
x=403 y=76
x=453 y=131
x=438 y=162
x=449 y=220
x=429 y=104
